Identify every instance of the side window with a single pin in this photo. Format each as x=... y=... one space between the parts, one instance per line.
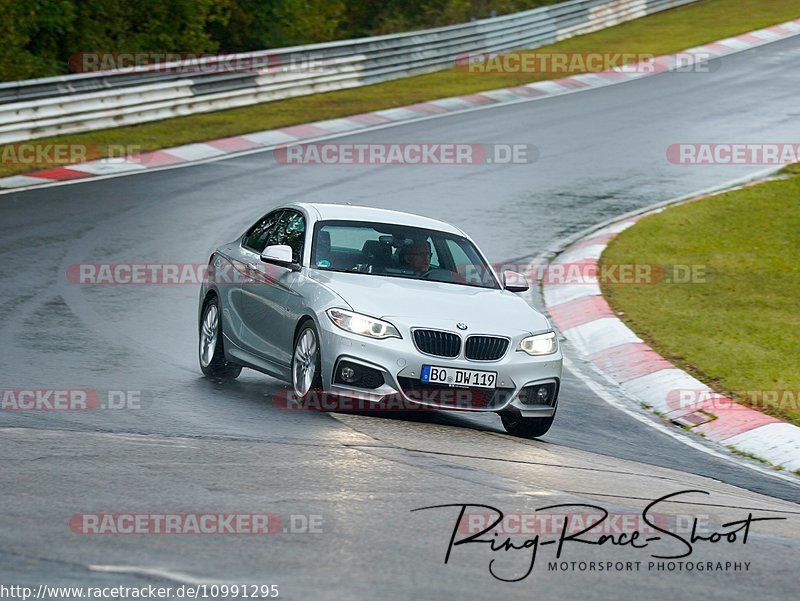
x=257 y=236
x=291 y=230
x=435 y=261
x=460 y=258
x=468 y=265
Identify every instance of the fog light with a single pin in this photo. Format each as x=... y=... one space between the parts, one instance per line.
x=360 y=376
x=539 y=394
x=348 y=374
x=542 y=394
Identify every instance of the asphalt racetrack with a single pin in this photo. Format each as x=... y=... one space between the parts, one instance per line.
x=195 y=446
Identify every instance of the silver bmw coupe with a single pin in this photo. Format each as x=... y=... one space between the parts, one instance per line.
x=390 y=308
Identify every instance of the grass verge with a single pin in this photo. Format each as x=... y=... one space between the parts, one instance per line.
x=736 y=327
x=662 y=33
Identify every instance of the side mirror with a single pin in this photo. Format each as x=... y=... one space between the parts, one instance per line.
x=514 y=282
x=279 y=254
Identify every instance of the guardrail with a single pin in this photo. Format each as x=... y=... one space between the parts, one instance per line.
x=89 y=101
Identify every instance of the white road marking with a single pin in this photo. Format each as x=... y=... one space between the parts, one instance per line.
x=601 y=390
x=557 y=294
x=193 y=152
x=156 y=573
x=777 y=443
x=600 y=335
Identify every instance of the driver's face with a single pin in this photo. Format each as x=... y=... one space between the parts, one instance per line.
x=418 y=257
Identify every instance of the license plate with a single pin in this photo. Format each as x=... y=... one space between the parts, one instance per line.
x=458 y=377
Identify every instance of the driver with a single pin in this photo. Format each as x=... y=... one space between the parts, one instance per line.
x=418 y=257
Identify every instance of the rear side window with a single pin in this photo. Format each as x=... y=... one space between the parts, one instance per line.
x=258 y=235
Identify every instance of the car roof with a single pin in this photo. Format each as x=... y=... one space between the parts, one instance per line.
x=332 y=211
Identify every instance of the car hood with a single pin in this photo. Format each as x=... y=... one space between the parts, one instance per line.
x=434 y=304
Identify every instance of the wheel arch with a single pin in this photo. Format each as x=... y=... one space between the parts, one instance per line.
x=301 y=322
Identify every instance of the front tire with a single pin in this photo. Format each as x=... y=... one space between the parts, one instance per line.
x=526 y=427
x=306 y=362
x=212 y=353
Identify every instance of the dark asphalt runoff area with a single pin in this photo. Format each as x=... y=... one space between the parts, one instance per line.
x=193 y=446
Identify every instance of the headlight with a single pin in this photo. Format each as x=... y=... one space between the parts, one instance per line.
x=363 y=325
x=541 y=344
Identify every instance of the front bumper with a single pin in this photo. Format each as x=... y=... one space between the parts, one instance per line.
x=400 y=363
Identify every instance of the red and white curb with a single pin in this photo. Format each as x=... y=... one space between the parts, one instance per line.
x=586 y=320
x=267 y=140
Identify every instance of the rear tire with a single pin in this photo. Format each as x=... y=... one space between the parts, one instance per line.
x=526 y=427
x=211 y=350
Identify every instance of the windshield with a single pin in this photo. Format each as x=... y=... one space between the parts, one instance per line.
x=399 y=251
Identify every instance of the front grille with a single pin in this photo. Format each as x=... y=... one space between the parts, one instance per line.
x=485 y=348
x=434 y=342
x=450 y=397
